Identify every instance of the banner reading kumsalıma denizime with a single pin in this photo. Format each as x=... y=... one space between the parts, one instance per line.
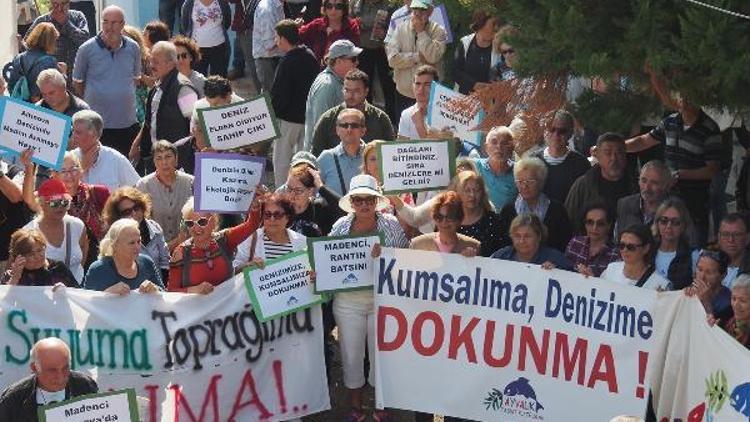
x=492 y=340
x=193 y=357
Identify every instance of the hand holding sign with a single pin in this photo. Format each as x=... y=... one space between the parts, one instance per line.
x=415 y=166
x=224 y=181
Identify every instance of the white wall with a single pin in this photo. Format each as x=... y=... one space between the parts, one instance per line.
x=8 y=44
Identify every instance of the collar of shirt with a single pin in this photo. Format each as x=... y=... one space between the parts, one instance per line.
x=339 y=150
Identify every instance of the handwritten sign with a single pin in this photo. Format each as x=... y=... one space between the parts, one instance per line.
x=226 y=182
x=239 y=124
x=342 y=262
x=26 y=126
x=105 y=407
x=283 y=286
x=439 y=16
x=415 y=165
x=459 y=113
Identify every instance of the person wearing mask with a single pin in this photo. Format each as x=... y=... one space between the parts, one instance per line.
x=476 y=54
x=207 y=22
x=640 y=208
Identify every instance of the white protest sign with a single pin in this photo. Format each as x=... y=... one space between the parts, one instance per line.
x=342 y=262
x=106 y=407
x=439 y=16
x=26 y=126
x=225 y=182
x=283 y=286
x=239 y=124
x=493 y=340
x=459 y=113
x=414 y=166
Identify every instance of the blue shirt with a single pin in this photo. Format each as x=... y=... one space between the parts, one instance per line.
x=543 y=255
x=109 y=76
x=102 y=274
x=351 y=165
x=501 y=188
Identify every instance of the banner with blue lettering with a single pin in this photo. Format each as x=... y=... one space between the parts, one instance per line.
x=486 y=339
x=192 y=357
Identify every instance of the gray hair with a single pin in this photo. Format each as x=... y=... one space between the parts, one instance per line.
x=92 y=120
x=741 y=282
x=188 y=207
x=107 y=245
x=500 y=131
x=52 y=76
x=660 y=167
x=166 y=50
x=534 y=164
x=46 y=343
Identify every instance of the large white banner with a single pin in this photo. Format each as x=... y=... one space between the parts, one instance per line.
x=493 y=340
x=194 y=357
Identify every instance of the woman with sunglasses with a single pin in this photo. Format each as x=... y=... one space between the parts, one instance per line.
x=355 y=311
x=29 y=265
x=637 y=248
x=334 y=25
x=204 y=260
x=129 y=202
x=714 y=296
x=447 y=214
x=591 y=252
x=528 y=233
x=121 y=266
x=188 y=54
x=66 y=235
x=672 y=229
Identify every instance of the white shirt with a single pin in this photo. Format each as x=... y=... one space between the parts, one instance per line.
x=615 y=272
x=57 y=253
x=207 y=24
x=44 y=397
x=111 y=169
x=406 y=126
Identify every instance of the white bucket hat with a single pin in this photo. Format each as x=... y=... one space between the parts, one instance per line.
x=363 y=185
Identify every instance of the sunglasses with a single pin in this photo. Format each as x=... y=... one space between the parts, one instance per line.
x=59 y=203
x=274 y=215
x=202 y=222
x=129 y=211
x=337 y=6
x=359 y=200
x=439 y=218
x=676 y=222
x=507 y=51
x=349 y=125
x=629 y=246
x=296 y=191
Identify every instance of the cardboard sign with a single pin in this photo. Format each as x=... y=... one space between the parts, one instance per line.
x=342 y=262
x=439 y=16
x=459 y=113
x=226 y=182
x=415 y=165
x=104 y=407
x=283 y=286
x=24 y=125
x=239 y=124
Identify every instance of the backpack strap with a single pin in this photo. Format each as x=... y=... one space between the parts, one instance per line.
x=68 y=242
x=341 y=176
x=185 y=280
x=226 y=253
x=644 y=278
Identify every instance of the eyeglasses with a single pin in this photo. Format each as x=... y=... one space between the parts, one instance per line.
x=346 y=125
x=439 y=218
x=337 y=6
x=59 y=203
x=675 y=221
x=629 y=246
x=359 y=200
x=202 y=222
x=595 y=223
x=274 y=215
x=69 y=172
x=181 y=56
x=526 y=182
x=508 y=51
x=129 y=211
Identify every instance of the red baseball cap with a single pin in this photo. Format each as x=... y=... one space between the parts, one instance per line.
x=52 y=188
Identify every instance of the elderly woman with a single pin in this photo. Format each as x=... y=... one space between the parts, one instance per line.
x=354 y=311
x=479 y=219
x=41 y=44
x=204 y=260
x=672 y=228
x=530 y=174
x=475 y=56
x=29 y=265
x=313 y=215
x=447 y=213
x=738 y=326
x=527 y=232
x=188 y=54
x=129 y=202
x=170 y=187
x=66 y=237
x=591 y=252
x=637 y=249
x=715 y=297
x=121 y=267
x=335 y=24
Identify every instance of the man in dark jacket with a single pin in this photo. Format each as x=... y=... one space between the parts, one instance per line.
x=295 y=74
x=52 y=381
x=640 y=208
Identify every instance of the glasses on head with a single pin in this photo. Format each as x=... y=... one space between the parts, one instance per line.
x=595 y=223
x=202 y=222
x=359 y=200
x=439 y=218
x=507 y=51
x=347 y=125
x=274 y=215
x=59 y=203
x=526 y=182
x=337 y=6
x=37 y=252
x=182 y=56
x=732 y=235
x=129 y=211
x=628 y=246
x=674 y=221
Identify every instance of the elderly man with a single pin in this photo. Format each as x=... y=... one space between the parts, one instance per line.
x=414 y=42
x=101 y=165
x=327 y=88
x=356 y=89
x=51 y=381
x=734 y=240
x=639 y=208
x=55 y=94
x=106 y=69
x=341 y=163
x=73 y=29
x=169 y=105
x=606 y=182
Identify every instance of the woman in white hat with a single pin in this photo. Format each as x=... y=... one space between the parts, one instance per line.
x=355 y=311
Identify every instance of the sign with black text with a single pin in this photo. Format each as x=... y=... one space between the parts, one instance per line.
x=415 y=165
x=27 y=126
x=239 y=124
x=226 y=182
x=113 y=406
x=342 y=262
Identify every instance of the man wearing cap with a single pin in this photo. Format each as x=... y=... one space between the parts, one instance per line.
x=341 y=163
x=327 y=88
x=414 y=42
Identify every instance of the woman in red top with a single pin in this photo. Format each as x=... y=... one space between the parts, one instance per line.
x=334 y=25
x=205 y=259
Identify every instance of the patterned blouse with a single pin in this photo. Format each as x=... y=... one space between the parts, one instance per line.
x=87 y=204
x=577 y=252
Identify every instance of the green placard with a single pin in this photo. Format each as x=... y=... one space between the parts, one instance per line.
x=132 y=404
x=311 y=254
x=271 y=114
x=451 y=163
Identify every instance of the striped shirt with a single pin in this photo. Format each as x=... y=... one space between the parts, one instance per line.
x=275 y=250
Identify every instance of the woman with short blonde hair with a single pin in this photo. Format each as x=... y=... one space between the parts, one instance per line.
x=41 y=44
